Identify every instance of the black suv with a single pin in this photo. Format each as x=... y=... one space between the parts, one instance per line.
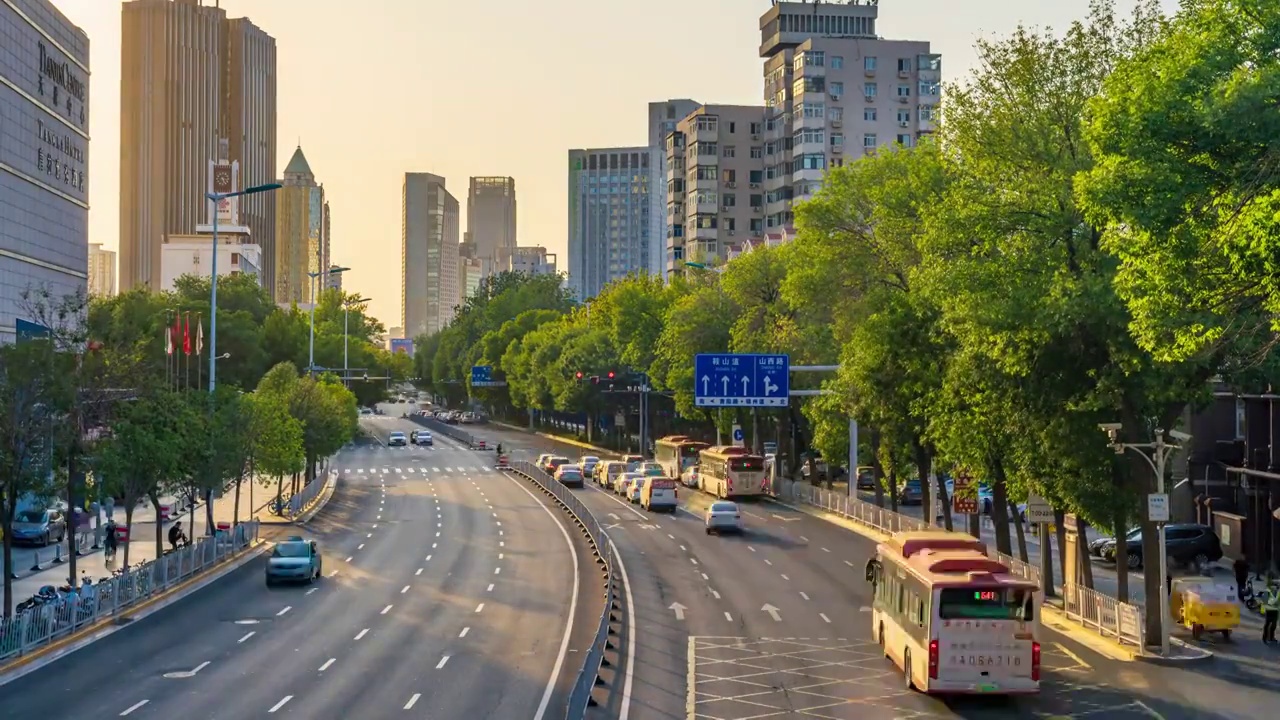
x=1186 y=543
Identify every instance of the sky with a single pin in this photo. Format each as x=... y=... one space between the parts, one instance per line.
x=377 y=88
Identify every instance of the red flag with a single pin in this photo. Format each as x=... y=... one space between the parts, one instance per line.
x=186 y=336
x=176 y=330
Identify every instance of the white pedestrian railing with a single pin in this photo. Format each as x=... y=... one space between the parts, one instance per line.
x=60 y=616
x=1104 y=614
x=298 y=503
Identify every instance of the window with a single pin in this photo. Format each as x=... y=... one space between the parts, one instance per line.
x=835 y=114
x=869 y=114
x=809 y=135
x=837 y=140
x=709 y=124
x=756 y=176
x=770 y=148
x=705 y=197
x=730 y=224
x=869 y=89
x=706 y=172
x=757 y=152
x=926 y=113
x=904 y=140
x=755 y=200
x=837 y=62
x=836 y=89
x=704 y=222
x=757 y=225
x=755 y=128
x=728 y=151
x=904 y=65
x=814 y=161
x=869 y=63
x=730 y=200
x=904 y=91
x=904 y=116
x=733 y=127
x=815 y=110
x=705 y=148
x=929 y=89
x=731 y=176
x=869 y=140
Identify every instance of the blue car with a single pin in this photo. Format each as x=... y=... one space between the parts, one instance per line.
x=294 y=560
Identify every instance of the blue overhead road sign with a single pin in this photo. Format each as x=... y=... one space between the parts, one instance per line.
x=728 y=380
x=482 y=376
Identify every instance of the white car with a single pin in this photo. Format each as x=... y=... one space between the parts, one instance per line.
x=723 y=516
x=689 y=478
x=622 y=485
x=397 y=438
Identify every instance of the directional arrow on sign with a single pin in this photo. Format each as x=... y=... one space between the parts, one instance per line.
x=746 y=384
x=773 y=611
x=770 y=387
x=725 y=382
x=706 y=385
x=678 y=609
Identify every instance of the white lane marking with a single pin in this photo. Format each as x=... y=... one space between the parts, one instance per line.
x=752 y=549
x=705 y=577
x=429 y=556
x=438 y=523
x=311 y=591
x=490 y=588
x=335 y=572
x=348 y=560
x=727 y=616
x=443 y=660
x=846 y=562
x=806 y=597
x=804 y=539
x=480 y=607
x=716 y=594
x=824 y=617
x=133 y=707
x=375 y=525
x=286 y=609
x=497 y=570
x=499 y=524
x=766 y=561
x=419 y=572
x=784 y=577
x=246 y=636
x=684 y=549
x=404 y=589
x=412 y=701
x=464 y=632
x=693 y=560
x=327 y=663
x=360 y=546
x=437 y=533
x=502 y=543
x=280 y=704
x=379 y=517
x=825 y=550
x=385 y=610
x=573 y=609
x=434 y=545
x=369 y=535
x=435 y=469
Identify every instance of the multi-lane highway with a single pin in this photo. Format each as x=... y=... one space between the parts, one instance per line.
x=775 y=624
x=449 y=591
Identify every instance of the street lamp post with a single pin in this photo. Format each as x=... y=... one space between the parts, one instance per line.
x=346 y=311
x=216 y=198
x=1160 y=452
x=315 y=296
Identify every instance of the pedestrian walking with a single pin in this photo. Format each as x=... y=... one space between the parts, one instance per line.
x=110 y=543
x=1271 y=611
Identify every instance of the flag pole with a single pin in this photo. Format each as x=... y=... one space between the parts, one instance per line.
x=168 y=349
x=199 y=350
x=186 y=350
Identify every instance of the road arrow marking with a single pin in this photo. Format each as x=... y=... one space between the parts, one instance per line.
x=614 y=516
x=773 y=611
x=610 y=527
x=784 y=518
x=864 y=608
x=188 y=673
x=678 y=609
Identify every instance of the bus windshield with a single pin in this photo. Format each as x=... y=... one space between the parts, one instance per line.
x=747 y=464
x=984 y=604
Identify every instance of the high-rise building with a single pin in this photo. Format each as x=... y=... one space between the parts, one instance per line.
x=428 y=254
x=491 y=221
x=333 y=281
x=44 y=156
x=663 y=117
x=533 y=261
x=191 y=80
x=326 y=247
x=829 y=77
x=714 y=197
x=299 y=235
x=470 y=275
x=102 y=271
x=609 y=216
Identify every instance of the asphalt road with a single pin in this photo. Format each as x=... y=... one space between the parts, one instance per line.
x=448 y=593
x=776 y=624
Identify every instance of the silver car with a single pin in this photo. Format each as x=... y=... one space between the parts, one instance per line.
x=723 y=516
x=295 y=560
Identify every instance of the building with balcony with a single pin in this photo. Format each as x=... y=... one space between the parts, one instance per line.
x=663 y=118
x=715 y=194
x=836 y=91
x=471 y=272
x=193 y=255
x=428 y=254
x=609 y=216
x=102 y=271
x=533 y=261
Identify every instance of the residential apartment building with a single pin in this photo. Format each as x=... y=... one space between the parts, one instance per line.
x=299 y=236
x=194 y=255
x=835 y=90
x=610 y=216
x=715 y=196
x=191 y=80
x=333 y=280
x=471 y=272
x=102 y=271
x=663 y=117
x=428 y=254
x=533 y=260
x=491 y=221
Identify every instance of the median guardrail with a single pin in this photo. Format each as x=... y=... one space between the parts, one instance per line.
x=43 y=624
x=1101 y=613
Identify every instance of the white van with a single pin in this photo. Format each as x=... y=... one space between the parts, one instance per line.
x=658 y=493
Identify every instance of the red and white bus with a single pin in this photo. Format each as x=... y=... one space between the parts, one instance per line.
x=677 y=453
x=952 y=618
x=728 y=471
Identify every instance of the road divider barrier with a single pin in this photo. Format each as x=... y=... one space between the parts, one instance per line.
x=1101 y=613
x=50 y=622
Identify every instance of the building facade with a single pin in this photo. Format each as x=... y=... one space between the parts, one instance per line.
x=609 y=216
x=663 y=118
x=491 y=221
x=430 y=227
x=193 y=255
x=533 y=260
x=44 y=156
x=299 y=236
x=835 y=90
x=470 y=275
x=715 y=199
x=190 y=80
x=102 y=271
x=333 y=280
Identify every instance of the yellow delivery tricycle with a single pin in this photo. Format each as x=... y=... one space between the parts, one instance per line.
x=1201 y=604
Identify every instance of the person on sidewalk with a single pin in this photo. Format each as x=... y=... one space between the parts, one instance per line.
x=110 y=542
x=175 y=535
x=1271 y=611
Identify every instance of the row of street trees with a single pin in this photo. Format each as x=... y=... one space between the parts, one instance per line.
x=1090 y=238
x=87 y=411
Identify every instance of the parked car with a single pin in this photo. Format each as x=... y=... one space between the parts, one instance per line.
x=866 y=478
x=39 y=526
x=911 y=493
x=1186 y=544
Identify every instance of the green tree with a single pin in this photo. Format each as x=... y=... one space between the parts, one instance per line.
x=699 y=322
x=274 y=443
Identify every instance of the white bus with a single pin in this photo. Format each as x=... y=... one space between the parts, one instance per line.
x=728 y=471
x=677 y=453
x=951 y=618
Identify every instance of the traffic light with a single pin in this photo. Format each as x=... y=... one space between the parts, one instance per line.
x=578 y=375
x=612 y=375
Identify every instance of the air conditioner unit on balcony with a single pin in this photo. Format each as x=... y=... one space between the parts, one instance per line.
x=755 y=136
x=869 y=72
x=903 y=124
x=837 y=124
x=903 y=99
x=754 y=186
x=869 y=98
x=904 y=74
x=734 y=184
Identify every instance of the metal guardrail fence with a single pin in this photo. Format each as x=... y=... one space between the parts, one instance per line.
x=580 y=696
x=1102 y=613
x=43 y=624
x=295 y=504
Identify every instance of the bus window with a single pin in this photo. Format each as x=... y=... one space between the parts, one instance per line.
x=747 y=464
x=985 y=604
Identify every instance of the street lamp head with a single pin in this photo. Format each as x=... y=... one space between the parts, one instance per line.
x=261 y=188
x=1179 y=436
x=335 y=270
x=223 y=356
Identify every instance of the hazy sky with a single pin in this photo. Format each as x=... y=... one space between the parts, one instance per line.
x=492 y=87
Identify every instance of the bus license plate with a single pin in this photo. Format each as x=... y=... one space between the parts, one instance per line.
x=987 y=688
x=988 y=660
